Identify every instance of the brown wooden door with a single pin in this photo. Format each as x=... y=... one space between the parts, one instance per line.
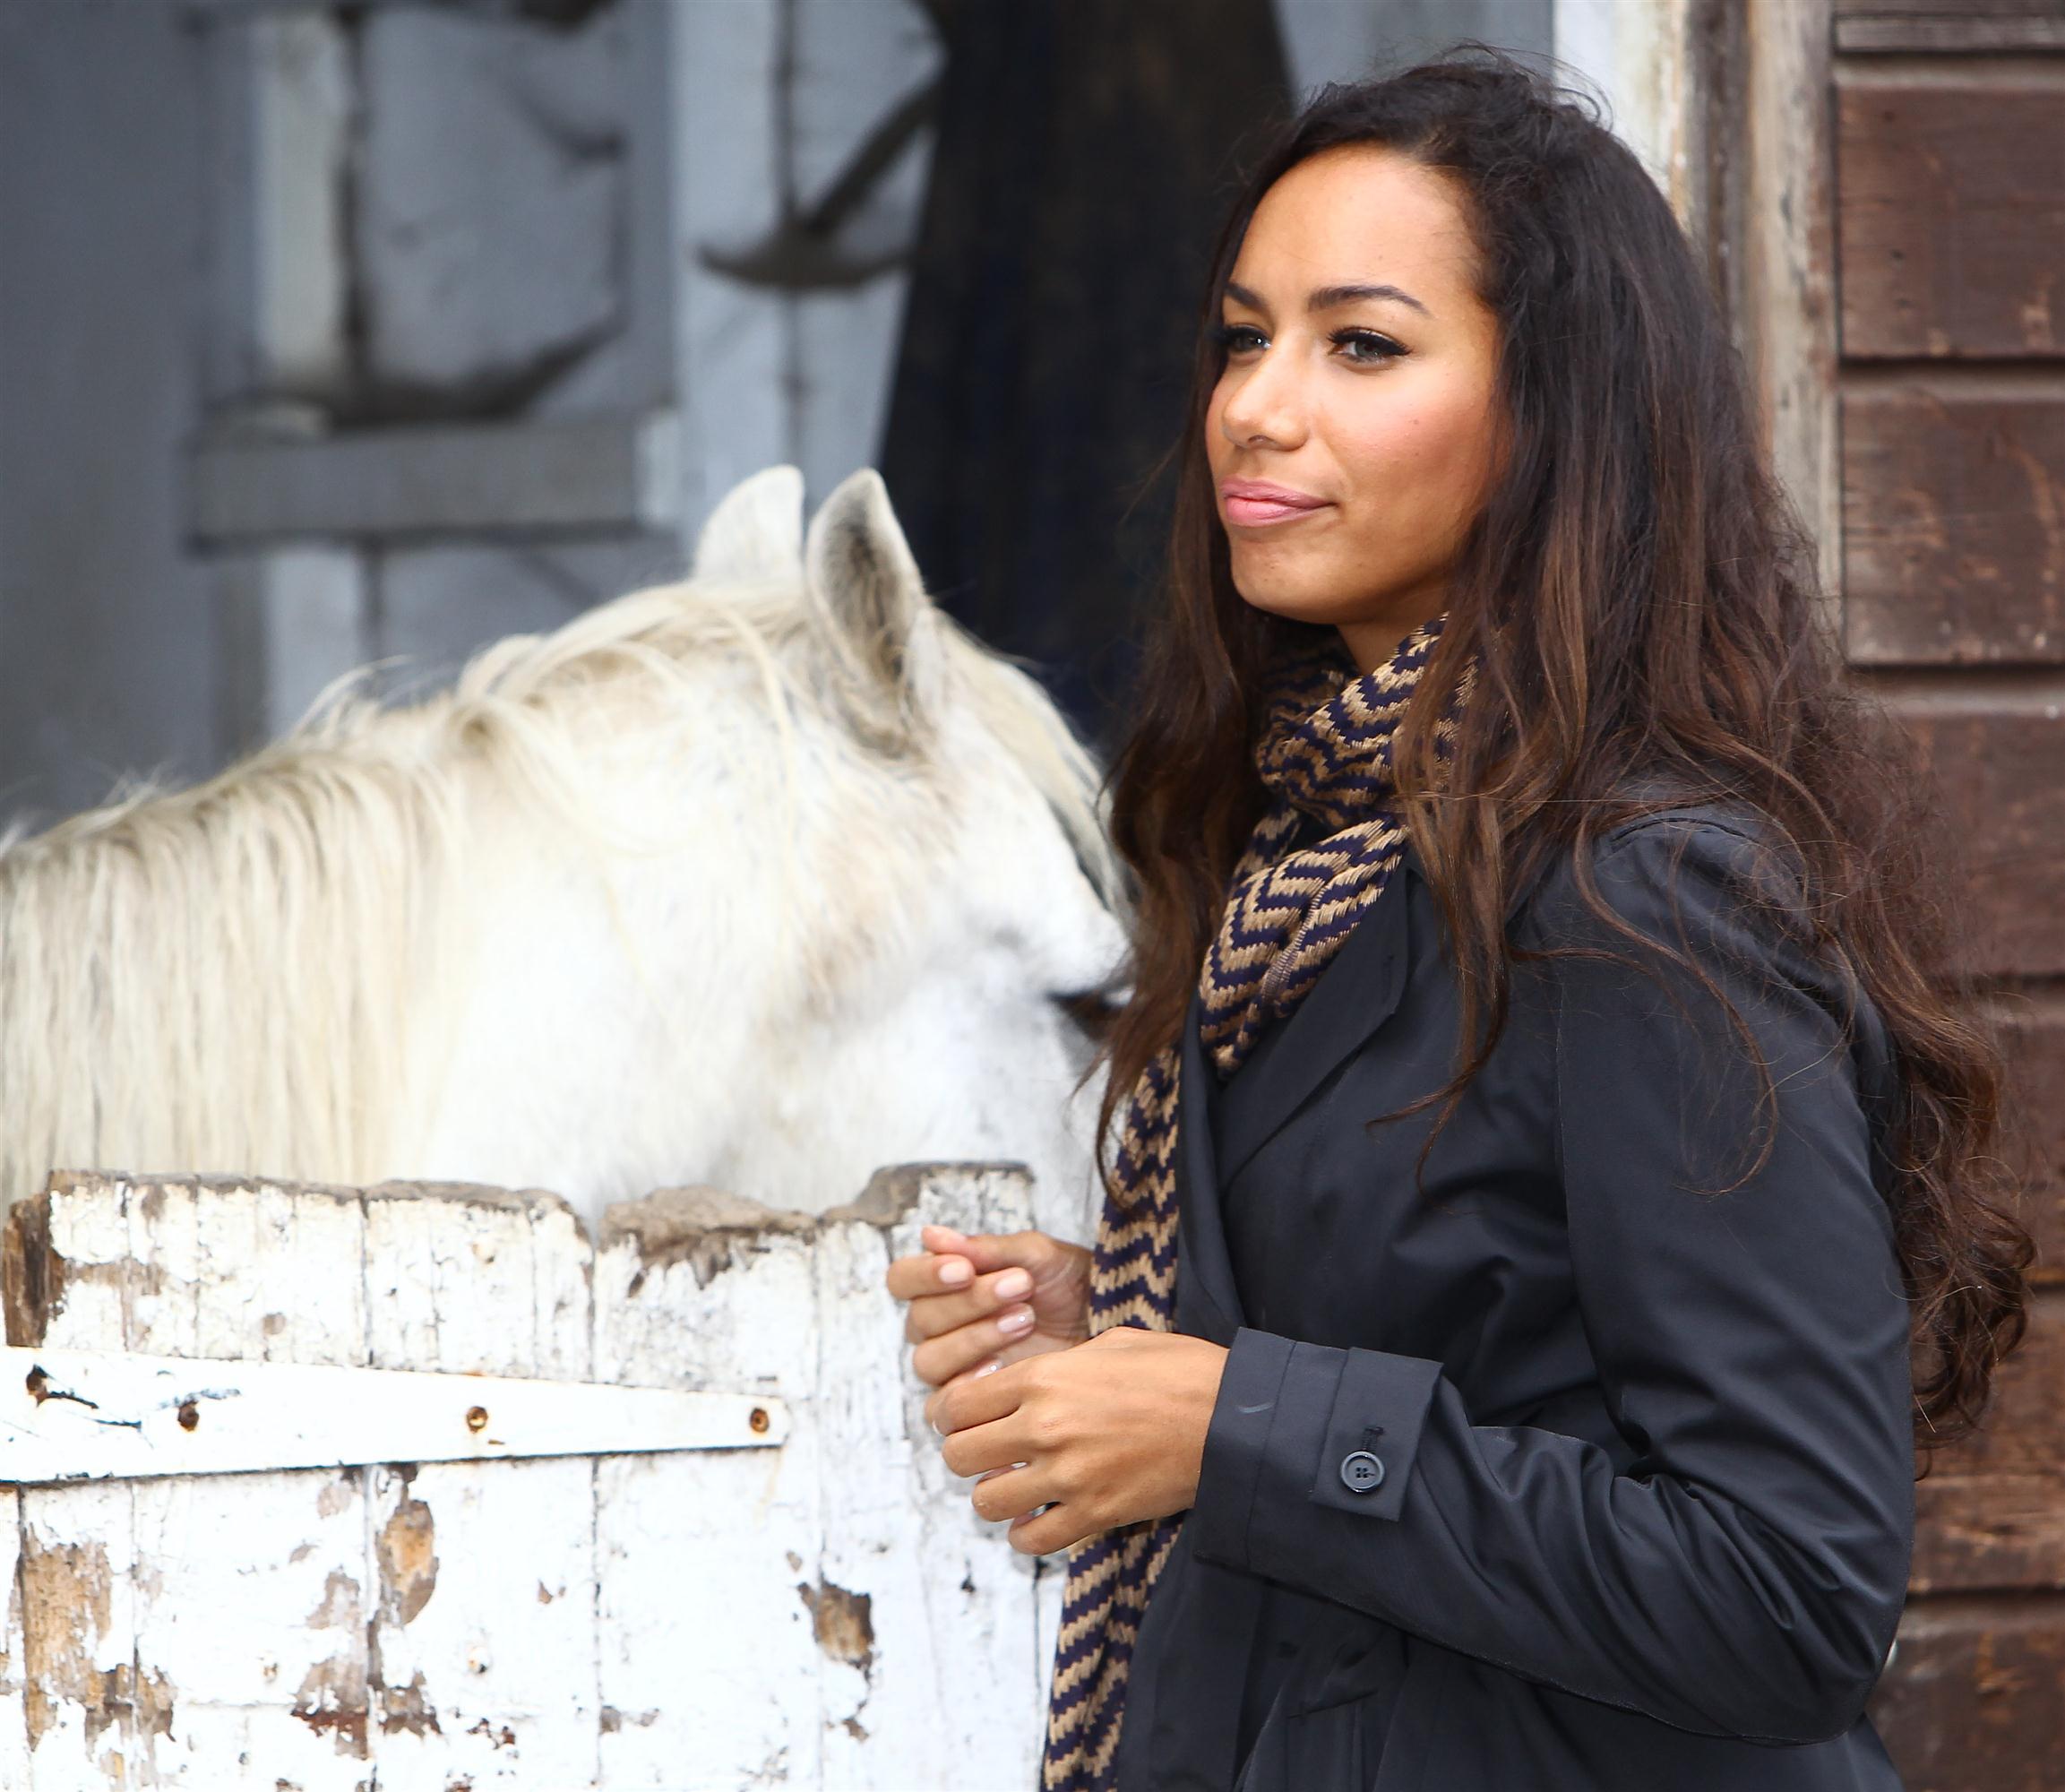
x=1948 y=241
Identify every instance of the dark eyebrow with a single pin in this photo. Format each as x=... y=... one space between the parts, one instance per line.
x=1325 y=297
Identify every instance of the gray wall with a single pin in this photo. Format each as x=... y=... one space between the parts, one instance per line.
x=333 y=333
x=107 y=647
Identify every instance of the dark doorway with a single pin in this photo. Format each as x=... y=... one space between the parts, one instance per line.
x=1086 y=151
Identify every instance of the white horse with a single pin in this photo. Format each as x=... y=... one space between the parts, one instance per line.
x=762 y=880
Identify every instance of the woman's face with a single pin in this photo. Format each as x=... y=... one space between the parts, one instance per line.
x=1359 y=376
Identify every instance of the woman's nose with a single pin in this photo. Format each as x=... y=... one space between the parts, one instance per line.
x=1266 y=406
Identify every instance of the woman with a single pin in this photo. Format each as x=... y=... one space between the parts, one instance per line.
x=1541 y=1142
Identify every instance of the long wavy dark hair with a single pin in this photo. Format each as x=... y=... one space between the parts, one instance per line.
x=1641 y=604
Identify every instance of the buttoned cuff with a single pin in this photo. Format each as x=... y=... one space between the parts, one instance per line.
x=1297 y=1424
x=1381 y=1401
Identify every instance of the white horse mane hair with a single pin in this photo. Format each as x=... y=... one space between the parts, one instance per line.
x=223 y=976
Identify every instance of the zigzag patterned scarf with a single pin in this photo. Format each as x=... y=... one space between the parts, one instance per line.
x=1325 y=753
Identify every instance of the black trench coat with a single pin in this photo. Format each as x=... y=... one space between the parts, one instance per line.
x=1561 y=1470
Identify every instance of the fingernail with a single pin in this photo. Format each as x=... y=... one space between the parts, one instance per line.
x=988 y=1368
x=956 y=1270
x=1019 y=1319
x=1013 y=1284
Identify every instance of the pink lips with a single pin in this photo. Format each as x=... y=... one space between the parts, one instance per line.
x=1249 y=502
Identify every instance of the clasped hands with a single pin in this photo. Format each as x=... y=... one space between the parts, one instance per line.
x=1069 y=1434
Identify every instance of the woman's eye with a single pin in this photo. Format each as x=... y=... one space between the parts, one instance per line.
x=1371 y=349
x=1381 y=347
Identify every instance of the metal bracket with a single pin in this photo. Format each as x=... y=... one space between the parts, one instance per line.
x=91 y=1415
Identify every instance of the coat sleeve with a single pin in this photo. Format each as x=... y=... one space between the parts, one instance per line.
x=1744 y=1575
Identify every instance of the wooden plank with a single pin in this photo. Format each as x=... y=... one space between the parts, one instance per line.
x=482 y=1644
x=67 y=1264
x=482 y=1624
x=1998 y=755
x=1645 y=61
x=1781 y=261
x=1981 y=1533
x=955 y=1688
x=115 y=1626
x=92 y=1415
x=1951 y=215
x=250 y=1590
x=476 y=1281
x=1967 y=10
x=1975 y=1701
x=695 y=1289
x=1954 y=523
x=13 y=1713
x=1877 y=34
x=91 y=1708
x=876 y=1634
x=251 y=1606
x=2032 y=1033
x=1991 y=1513
x=2025 y=1432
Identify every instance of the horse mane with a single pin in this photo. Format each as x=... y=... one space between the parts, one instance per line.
x=182 y=970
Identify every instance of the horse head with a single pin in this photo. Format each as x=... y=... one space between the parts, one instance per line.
x=966 y=888
x=875 y=938
x=764 y=879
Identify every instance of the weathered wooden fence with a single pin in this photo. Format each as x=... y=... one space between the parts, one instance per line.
x=825 y=1610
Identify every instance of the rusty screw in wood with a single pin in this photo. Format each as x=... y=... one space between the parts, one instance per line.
x=189 y=1415
x=477 y=1418
x=757 y=1419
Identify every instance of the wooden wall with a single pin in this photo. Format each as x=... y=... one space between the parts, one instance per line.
x=1948 y=242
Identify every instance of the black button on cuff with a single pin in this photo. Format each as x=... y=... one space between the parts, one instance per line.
x=1362 y=1472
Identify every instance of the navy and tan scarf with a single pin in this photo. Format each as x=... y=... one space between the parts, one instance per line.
x=1326 y=757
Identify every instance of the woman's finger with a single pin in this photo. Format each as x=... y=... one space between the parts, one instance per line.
x=1060 y=1525
x=938 y=1360
x=1009 y=1492
x=989 y=1365
x=931 y=1316
x=984 y=1449
x=927 y=1272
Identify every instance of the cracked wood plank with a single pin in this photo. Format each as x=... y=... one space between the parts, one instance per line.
x=114 y=1415
x=858 y=1626
x=483 y=1680
x=13 y=1713
x=208 y=1639
x=249 y=1588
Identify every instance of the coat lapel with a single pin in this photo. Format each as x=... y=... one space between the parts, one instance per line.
x=1358 y=992
x=1354 y=995
x=1208 y=1300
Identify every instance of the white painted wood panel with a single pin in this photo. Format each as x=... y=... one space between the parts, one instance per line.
x=96 y=1415
x=13 y=1714
x=825 y=1612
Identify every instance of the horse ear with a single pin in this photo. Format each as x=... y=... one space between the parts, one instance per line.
x=860 y=574
x=756 y=531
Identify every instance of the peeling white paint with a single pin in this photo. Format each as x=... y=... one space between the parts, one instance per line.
x=829 y=1612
